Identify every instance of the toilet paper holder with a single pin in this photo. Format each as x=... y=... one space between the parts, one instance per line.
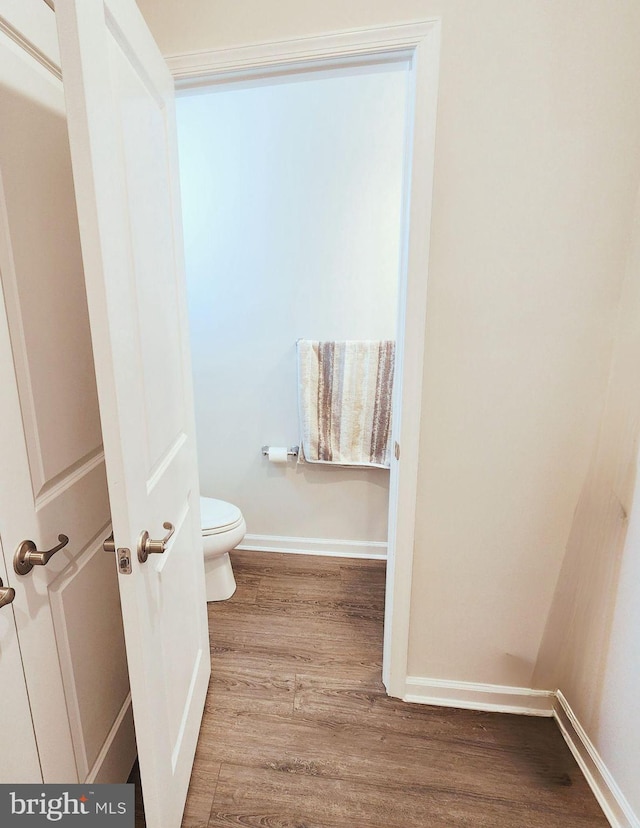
x=291 y=452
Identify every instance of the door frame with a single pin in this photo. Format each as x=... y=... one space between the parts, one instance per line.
x=419 y=44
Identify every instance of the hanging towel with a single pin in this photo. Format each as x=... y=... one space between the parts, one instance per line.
x=344 y=394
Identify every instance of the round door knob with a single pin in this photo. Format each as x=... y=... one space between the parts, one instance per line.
x=7 y=594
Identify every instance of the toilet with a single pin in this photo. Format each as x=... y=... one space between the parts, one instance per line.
x=223 y=528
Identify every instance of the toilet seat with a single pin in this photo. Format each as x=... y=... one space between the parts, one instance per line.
x=218 y=516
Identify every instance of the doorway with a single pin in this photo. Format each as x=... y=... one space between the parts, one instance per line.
x=292 y=195
x=417 y=45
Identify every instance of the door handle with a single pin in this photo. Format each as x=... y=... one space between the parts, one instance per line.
x=7 y=594
x=27 y=555
x=146 y=546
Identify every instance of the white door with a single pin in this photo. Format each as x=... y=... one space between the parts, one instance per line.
x=20 y=764
x=52 y=479
x=120 y=109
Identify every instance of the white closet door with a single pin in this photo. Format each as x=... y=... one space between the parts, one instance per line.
x=52 y=479
x=120 y=109
x=20 y=762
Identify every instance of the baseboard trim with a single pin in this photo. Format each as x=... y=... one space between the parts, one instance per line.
x=612 y=801
x=331 y=547
x=468 y=695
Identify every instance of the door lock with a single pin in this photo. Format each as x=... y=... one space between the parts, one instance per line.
x=27 y=555
x=124 y=555
x=146 y=546
x=7 y=594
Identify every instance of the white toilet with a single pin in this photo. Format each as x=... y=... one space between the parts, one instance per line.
x=223 y=528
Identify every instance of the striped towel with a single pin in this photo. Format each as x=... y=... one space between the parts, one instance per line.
x=344 y=398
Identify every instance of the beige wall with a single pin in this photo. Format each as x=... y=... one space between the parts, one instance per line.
x=195 y=25
x=536 y=168
x=591 y=647
x=536 y=171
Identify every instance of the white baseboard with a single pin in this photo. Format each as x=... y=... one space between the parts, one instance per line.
x=612 y=801
x=471 y=696
x=371 y=550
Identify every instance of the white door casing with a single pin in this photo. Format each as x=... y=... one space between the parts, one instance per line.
x=122 y=129
x=419 y=43
x=67 y=619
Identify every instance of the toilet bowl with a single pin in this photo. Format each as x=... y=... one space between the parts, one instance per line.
x=223 y=528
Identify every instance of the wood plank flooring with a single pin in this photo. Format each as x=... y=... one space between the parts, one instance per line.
x=298 y=732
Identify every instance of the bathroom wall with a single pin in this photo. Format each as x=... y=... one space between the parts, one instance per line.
x=292 y=198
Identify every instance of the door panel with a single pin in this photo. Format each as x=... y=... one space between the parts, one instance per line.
x=144 y=141
x=53 y=480
x=61 y=417
x=124 y=150
x=20 y=764
x=94 y=694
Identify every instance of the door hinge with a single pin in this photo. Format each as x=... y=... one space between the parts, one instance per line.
x=396 y=450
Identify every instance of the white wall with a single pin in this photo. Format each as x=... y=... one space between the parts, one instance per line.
x=291 y=202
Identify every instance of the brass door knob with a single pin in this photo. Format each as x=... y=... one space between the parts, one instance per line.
x=27 y=555
x=7 y=594
x=146 y=546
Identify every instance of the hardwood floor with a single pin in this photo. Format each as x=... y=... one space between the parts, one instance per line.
x=298 y=732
